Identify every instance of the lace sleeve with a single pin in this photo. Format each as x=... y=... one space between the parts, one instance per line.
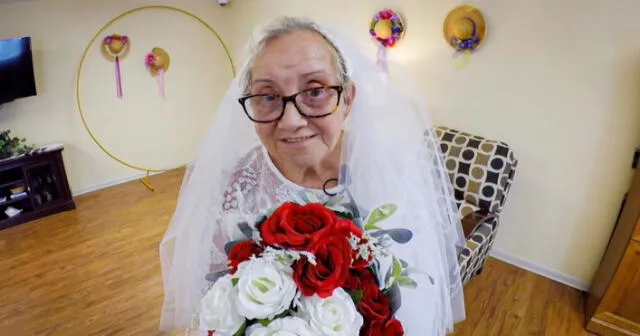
x=224 y=232
x=242 y=182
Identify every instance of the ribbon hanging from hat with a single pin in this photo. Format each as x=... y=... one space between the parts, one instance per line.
x=387 y=28
x=464 y=29
x=157 y=62
x=115 y=47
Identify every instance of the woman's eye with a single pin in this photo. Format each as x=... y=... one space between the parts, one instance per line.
x=316 y=92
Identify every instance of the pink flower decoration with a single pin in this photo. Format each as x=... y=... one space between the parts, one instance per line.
x=149 y=60
x=397 y=27
x=107 y=40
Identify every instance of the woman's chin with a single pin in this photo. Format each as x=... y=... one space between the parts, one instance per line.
x=305 y=155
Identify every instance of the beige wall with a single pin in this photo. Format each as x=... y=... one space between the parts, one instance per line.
x=558 y=81
x=140 y=129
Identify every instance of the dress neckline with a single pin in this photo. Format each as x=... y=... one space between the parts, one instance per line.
x=288 y=182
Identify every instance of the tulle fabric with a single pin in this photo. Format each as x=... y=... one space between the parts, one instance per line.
x=391 y=156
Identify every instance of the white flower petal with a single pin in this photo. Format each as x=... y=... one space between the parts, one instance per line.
x=286 y=326
x=266 y=288
x=218 y=310
x=333 y=316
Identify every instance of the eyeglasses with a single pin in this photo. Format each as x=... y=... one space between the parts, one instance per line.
x=312 y=103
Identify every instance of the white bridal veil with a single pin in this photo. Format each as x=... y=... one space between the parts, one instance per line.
x=390 y=155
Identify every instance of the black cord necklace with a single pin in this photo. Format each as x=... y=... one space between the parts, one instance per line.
x=324 y=187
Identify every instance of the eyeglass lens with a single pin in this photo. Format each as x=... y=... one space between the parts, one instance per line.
x=313 y=103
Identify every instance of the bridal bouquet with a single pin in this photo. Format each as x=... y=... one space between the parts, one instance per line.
x=310 y=269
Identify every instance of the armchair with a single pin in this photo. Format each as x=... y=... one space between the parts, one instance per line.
x=481 y=171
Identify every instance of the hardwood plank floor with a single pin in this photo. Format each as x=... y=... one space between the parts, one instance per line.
x=95 y=271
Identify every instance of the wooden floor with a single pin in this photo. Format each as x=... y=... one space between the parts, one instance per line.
x=95 y=271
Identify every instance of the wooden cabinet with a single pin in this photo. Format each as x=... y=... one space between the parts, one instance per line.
x=613 y=301
x=33 y=186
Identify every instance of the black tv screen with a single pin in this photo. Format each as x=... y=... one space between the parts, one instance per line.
x=17 y=78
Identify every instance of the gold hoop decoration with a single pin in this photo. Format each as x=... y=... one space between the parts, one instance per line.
x=148 y=171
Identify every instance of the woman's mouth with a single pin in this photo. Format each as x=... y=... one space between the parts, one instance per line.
x=297 y=139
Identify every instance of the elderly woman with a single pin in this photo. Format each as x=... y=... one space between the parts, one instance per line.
x=309 y=113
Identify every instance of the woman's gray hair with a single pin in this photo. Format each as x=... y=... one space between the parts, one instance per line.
x=282 y=27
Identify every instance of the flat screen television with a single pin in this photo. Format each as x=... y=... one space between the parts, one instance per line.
x=17 y=79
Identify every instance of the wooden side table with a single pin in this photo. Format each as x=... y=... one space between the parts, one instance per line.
x=33 y=186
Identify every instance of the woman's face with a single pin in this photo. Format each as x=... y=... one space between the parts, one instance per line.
x=299 y=61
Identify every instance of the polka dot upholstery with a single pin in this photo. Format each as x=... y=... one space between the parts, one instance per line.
x=466 y=208
x=481 y=171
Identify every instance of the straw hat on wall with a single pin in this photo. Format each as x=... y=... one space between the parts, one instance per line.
x=465 y=28
x=161 y=60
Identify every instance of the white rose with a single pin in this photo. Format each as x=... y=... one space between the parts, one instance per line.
x=265 y=288
x=218 y=310
x=286 y=326
x=335 y=315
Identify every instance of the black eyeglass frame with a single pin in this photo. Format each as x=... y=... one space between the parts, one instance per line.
x=291 y=98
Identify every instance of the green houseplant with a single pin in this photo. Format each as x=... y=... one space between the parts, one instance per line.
x=12 y=146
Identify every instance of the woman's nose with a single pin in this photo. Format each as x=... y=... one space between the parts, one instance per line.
x=291 y=117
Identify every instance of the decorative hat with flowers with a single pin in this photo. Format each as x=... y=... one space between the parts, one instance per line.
x=114 y=48
x=312 y=268
x=157 y=62
x=387 y=27
x=465 y=28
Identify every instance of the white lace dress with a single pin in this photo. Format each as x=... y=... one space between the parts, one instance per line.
x=257 y=186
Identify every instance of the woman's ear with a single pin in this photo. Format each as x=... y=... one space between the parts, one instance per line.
x=350 y=94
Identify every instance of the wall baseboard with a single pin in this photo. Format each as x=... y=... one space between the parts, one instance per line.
x=540 y=270
x=109 y=183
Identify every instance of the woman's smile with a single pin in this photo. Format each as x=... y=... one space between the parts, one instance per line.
x=298 y=140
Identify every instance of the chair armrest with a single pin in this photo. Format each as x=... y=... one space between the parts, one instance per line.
x=473 y=220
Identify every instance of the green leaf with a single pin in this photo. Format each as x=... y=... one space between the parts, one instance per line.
x=240 y=331
x=370 y=226
x=266 y=321
x=234 y=281
x=356 y=296
x=406 y=282
x=396 y=270
x=344 y=215
x=379 y=214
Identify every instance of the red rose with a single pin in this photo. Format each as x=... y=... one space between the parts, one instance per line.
x=333 y=258
x=358 y=278
x=374 y=305
x=343 y=228
x=389 y=327
x=242 y=251
x=392 y=327
x=292 y=225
